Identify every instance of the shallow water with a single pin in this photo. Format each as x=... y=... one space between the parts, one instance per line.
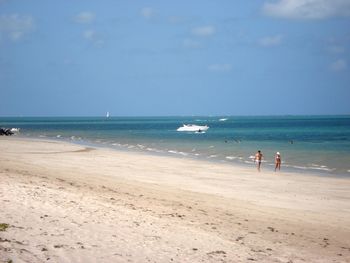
x=307 y=143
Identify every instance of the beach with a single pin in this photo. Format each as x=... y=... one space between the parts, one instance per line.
x=64 y=202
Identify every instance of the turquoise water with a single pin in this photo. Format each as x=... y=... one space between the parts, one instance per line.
x=318 y=144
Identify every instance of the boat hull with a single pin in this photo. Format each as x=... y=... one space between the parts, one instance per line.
x=193 y=128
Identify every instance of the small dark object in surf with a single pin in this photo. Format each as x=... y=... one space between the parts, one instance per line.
x=5 y=131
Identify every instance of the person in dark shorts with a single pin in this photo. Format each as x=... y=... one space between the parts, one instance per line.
x=258 y=158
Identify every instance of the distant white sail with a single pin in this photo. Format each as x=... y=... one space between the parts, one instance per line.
x=107 y=114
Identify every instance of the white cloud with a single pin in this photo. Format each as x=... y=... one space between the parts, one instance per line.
x=147 y=12
x=15 y=26
x=94 y=38
x=85 y=17
x=336 y=49
x=307 y=9
x=189 y=43
x=271 y=41
x=177 y=19
x=338 y=65
x=89 y=34
x=15 y=36
x=204 y=31
x=220 y=67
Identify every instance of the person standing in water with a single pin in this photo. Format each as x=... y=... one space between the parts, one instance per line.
x=278 y=161
x=258 y=158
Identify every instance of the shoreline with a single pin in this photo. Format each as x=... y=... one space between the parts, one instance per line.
x=269 y=167
x=57 y=195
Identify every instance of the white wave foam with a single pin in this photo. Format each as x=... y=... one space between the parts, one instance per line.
x=176 y=152
x=58 y=136
x=321 y=168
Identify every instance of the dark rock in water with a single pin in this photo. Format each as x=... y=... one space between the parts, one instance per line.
x=5 y=131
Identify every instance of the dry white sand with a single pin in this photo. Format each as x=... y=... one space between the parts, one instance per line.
x=66 y=203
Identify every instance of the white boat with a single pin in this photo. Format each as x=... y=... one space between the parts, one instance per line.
x=223 y=119
x=193 y=128
x=107 y=114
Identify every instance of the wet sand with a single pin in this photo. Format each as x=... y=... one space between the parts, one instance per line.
x=67 y=203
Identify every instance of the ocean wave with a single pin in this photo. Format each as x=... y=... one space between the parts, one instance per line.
x=320 y=168
x=234 y=158
x=317 y=165
x=177 y=152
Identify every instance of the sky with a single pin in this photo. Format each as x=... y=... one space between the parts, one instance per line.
x=184 y=57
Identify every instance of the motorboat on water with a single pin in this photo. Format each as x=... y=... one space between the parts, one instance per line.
x=193 y=128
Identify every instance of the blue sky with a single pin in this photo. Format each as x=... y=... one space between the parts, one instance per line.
x=204 y=57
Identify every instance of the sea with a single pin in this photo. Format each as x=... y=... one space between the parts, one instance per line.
x=317 y=145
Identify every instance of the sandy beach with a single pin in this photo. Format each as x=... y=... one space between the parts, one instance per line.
x=63 y=202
